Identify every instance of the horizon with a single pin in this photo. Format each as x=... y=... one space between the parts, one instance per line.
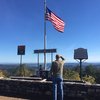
x=50 y=62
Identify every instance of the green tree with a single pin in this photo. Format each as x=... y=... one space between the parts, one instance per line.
x=23 y=70
x=90 y=70
x=89 y=78
x=76 y=68
x=70 y=74
x=2 y=73
x=97 y=76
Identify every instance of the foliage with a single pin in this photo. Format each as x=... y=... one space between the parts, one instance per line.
x=2 y=73
x=23 y=70
x=70 y=74
x=97 y=76
x=89 y=78
x=76 y=69
x=90 y=73
x=90 y=70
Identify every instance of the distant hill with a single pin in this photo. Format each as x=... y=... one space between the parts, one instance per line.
x=34 y=65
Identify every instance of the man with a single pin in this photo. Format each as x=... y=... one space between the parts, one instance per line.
x=57 y=77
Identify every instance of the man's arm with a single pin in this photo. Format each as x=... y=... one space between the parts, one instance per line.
x=62 y=58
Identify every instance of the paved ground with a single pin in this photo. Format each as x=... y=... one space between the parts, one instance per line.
x=10 y=98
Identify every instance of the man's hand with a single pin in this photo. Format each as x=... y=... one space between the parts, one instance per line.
x=62 y=58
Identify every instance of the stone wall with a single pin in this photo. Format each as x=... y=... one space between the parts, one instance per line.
x=42 y=90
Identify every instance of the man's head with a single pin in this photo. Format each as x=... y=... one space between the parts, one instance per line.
x=57 y=57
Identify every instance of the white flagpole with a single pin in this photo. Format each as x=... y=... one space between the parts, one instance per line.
x=44 y=35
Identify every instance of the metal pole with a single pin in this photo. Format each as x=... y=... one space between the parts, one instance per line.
x=20 y=59
x=51 y=57
x=81 y=69
x=44 y=35
x=20 y=63
x=38 y=60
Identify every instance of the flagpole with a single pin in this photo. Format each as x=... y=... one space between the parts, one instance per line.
x=44 y=35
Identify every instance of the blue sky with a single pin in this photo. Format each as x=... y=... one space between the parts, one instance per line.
x=22 y=23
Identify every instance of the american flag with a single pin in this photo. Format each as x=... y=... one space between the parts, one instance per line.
x=57 y=22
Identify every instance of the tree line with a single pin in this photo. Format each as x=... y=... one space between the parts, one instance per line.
x=90 y=73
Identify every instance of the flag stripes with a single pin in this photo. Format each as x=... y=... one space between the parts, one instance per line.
x=55 y=20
